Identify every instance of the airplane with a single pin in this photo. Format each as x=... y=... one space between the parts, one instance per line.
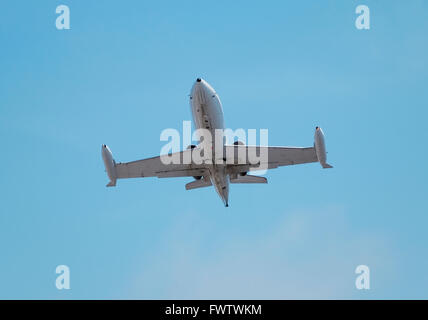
x=207 y=113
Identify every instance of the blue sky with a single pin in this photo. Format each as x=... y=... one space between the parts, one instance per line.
x=122 y=74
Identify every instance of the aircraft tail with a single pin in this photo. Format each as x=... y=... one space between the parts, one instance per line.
x=248 y=179
x=201 y=183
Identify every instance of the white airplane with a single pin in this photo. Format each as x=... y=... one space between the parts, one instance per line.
x=207 y=114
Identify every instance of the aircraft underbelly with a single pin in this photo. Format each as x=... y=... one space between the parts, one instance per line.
x=207 y=114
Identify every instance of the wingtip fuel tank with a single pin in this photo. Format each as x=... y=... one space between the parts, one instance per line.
x=109 y=164
x=320 y=148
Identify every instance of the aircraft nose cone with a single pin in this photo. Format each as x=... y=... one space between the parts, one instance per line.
x=198 y=80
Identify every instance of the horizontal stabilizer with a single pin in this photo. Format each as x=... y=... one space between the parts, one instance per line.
x=201 y=183
x=248 y=179
x=326 y=166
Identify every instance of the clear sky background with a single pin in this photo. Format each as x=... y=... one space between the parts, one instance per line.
x=123 y=73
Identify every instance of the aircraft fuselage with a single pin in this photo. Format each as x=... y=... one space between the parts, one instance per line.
x=207 y=113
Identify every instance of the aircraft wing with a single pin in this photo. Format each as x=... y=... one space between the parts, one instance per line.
x=239 y=159
x=276 y=156
x=273 y=157
x=151 y=167
x=155 y=167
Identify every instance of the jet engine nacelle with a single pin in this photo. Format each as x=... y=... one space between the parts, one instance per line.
x=320 y=148
x=109 y=164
